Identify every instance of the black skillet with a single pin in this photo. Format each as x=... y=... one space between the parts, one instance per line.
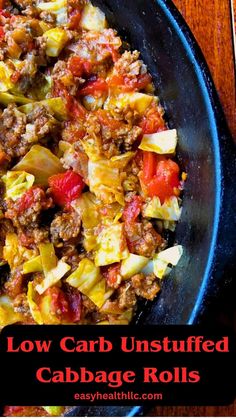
x=206 y=152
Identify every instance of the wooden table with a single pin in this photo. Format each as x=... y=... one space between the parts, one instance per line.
x=211 y=24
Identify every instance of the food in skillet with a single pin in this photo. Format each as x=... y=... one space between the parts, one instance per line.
x=89 y=182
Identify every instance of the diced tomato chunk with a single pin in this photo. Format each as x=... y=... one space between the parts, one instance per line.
x=112 y=275
x=160 y=176
x=30 y=197
x=132 y=210
x=94 y=87
x=2 y=33
x=79 y=66
x=65 y=305
x=128 y=84
x=106 y=120
x=152 y=122
x=66 y=187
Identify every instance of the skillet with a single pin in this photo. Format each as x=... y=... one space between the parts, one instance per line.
x=206 y=152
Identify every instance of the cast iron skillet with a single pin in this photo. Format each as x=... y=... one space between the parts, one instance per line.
x=206 y=152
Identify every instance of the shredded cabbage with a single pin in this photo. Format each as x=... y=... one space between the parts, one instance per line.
x=53 y=276
x=137 y=101
x=93 y=147
x=17 y=183
x=132 y=265
x=7 y=98
x=87 y=207
x=56 y=39
x=169 y=211
x=7 y=313
x=34 y=309
x=162 y=260
x=112 y=246
x=163 y=142
x=121 y=161
x=54 y=410
x=14 y=253
x=56 y=107
x=41 y=163
x=93 y=19
x=57 y=8
x=87 y=279
x=5 y=77
x=33 y=265
x=105 y=181
x=48 y=257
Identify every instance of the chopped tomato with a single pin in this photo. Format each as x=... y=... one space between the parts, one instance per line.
x=79 y=66
x=112 y=275
x=66 y=187
x=15 y=76
x=160 y=176
x=132 y=210
x=152 y=122
x=25 y=411
x=74 y=299
x=74 y=19
x=107 y=120
x=94 y=87
x=30 y=197
x=2 y=33
x=74 y=108
x=65 y=304
x=4 y=13
x=128 y=84
x=149 y=165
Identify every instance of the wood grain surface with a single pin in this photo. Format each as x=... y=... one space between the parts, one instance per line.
x=211 y=24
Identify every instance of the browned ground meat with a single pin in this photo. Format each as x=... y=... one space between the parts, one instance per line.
x=65 y=226
x=63 y=74
x=145 y=286
x=126 y=296
x=143 y=238
x=129 y=65
x=28 y=216
x=14 y=284
x=40 y=124
x=29 y=237
x=12 y=127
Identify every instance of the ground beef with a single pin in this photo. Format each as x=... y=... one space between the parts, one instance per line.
x=129 y=65
x=65 y=226
x=126 y=296
x=63 y=75
x=12 y=127
x=145 y=286
x=26 y=210
x=40 y=124
x=29 y=237
x=15 y=283
x=143 y=239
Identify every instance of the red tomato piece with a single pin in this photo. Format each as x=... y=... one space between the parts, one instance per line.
x=2 y=33
x=78 y=66
x=66 y=305
x=152 y=122
x=149 y=165
x=112 y=274
x=66 y=187
x=165 y=181
x=74 y=19
x=132 y=210
x=4 y=13
x=74 y=299
x=30 y=197
x=107 y=120
x=94 y=87
x=74 y=108
x=130 y=84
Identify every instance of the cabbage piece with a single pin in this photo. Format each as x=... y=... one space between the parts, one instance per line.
x=93 y=19
x=112 y=245
x=14 y=253
x=7 y=313
x=40 y=92
x=17 y=183
x=163 y=142
x=105 y=181
x=169 y=211
x=53 y=276
x=33 y=265
x=7 y=98
x=92 y=103
x=34 y=309
x=56 y=39
x=57 y=8
x=87 y=278
x=121 y=161
x=87 y=207
x=56 y=107
x=159 y=267
x=132 y=265
x=171 y=255
x=48 y=257
x=90 y=240
x=5 y=77
x=54 y=410
x=41 y=163
x=137 y=101
x=93 y=147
